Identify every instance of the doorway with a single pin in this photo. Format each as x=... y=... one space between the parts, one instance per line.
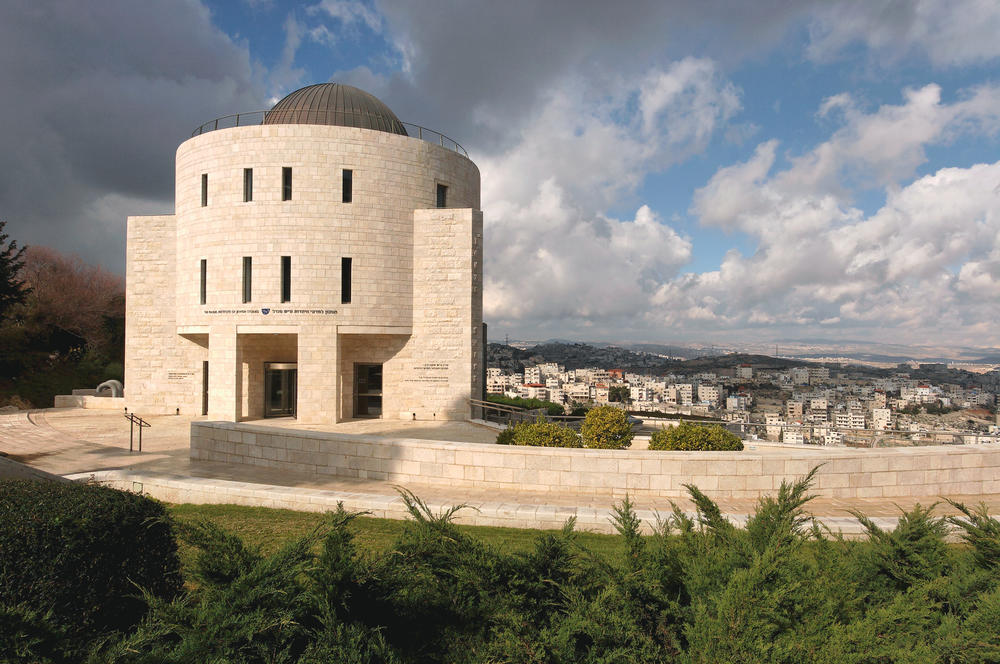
x=367 y=390
x=279 y=389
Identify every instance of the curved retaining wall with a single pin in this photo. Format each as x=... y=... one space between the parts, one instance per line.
x=845 y=473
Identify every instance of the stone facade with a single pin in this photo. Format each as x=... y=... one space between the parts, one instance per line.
x=416 y=276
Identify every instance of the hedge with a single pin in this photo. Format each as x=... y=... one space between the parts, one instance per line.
x=539 y=434
x=74 y=558
x=695 y=438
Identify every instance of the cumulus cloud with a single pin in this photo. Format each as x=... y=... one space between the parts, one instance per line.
x=556 y=258
x=927 y=258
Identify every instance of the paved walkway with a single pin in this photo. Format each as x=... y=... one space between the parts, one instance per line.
x=94 y=444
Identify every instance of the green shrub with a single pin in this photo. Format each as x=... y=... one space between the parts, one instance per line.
x=606 y=428
x=539 y=433
x=695 y=438
x=506 y=437
x=78 y=554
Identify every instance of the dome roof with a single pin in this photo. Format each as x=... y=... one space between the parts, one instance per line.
x=335 y=104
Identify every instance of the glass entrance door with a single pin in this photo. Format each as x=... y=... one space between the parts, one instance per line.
x=367 y=390
x=279 y=389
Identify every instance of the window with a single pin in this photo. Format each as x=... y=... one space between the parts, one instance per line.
x=286 y=278
x=345 y=280
x=247 y=185
x=204 y=189
x=442 y=196
x=286 y=183
x=247 y=277
x=204 y=280
x=347 y=186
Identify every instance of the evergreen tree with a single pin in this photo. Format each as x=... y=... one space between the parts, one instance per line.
x=12 y=288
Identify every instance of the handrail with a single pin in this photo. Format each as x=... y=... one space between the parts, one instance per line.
x=133 y=421
x=346 y=119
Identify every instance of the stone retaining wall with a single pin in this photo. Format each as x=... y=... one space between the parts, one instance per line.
x=86 y=401
x=845 y=472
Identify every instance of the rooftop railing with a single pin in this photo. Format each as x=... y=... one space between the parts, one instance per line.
x=338 y=118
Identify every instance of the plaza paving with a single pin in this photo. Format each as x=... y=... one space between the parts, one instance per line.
x=85 y=444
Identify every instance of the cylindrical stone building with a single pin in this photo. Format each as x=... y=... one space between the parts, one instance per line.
x=324 y=262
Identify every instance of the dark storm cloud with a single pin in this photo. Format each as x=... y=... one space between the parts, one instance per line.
x=97 y=96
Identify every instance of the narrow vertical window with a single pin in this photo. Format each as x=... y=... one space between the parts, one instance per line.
x=286 y=278
x=348 y=185
x=204 y=189
x=204 y=281
x=442 y=196
x=345 y=280
x=247 y=185
x=286 y=183
x=247 y=278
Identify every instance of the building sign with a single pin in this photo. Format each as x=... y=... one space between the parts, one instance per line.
x=430 y=372
x=268 y=311
x=174 y=376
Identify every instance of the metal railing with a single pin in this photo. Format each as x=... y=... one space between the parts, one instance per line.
x=338 y=118
x=504 y=414
x=134 y=421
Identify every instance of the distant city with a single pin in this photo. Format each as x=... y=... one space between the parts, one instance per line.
x=767 y=398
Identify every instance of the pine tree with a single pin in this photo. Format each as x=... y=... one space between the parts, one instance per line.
x=13 y=290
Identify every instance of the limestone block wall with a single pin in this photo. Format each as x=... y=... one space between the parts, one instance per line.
x=162 y=369
x=89 y=402
x=441 y=363
x=392 y=176
x=844 y=473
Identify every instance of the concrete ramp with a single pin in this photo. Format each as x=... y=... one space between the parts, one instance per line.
x=13 y=470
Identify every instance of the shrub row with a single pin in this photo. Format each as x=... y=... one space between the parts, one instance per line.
x=605 y=427
x=695 y=438
x=73 y=558
x=699 y=589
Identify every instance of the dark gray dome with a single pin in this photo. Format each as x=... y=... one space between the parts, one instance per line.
x=335 y=104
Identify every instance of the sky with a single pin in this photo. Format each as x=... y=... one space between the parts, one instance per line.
x=658 y=171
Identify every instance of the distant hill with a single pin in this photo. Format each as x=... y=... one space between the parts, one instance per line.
x=579 y=355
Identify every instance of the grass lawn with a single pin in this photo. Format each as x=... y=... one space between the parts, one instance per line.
x=269 y=528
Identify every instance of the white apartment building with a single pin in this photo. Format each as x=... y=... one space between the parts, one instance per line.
x=708 y=394
x=685 y=394
x=774 y=425
x=744 y=372
x=818 y=375
x=792 y=436
x=738 y=402
x=532 y=375
x=881 y=419
x=799 y=375
x=550 y=370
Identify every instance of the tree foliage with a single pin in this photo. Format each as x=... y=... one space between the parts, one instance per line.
x=606 y=428
x=13 y=289
x=68 y=332
x=619 y=394
x=691 y=587
x=695 y=437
